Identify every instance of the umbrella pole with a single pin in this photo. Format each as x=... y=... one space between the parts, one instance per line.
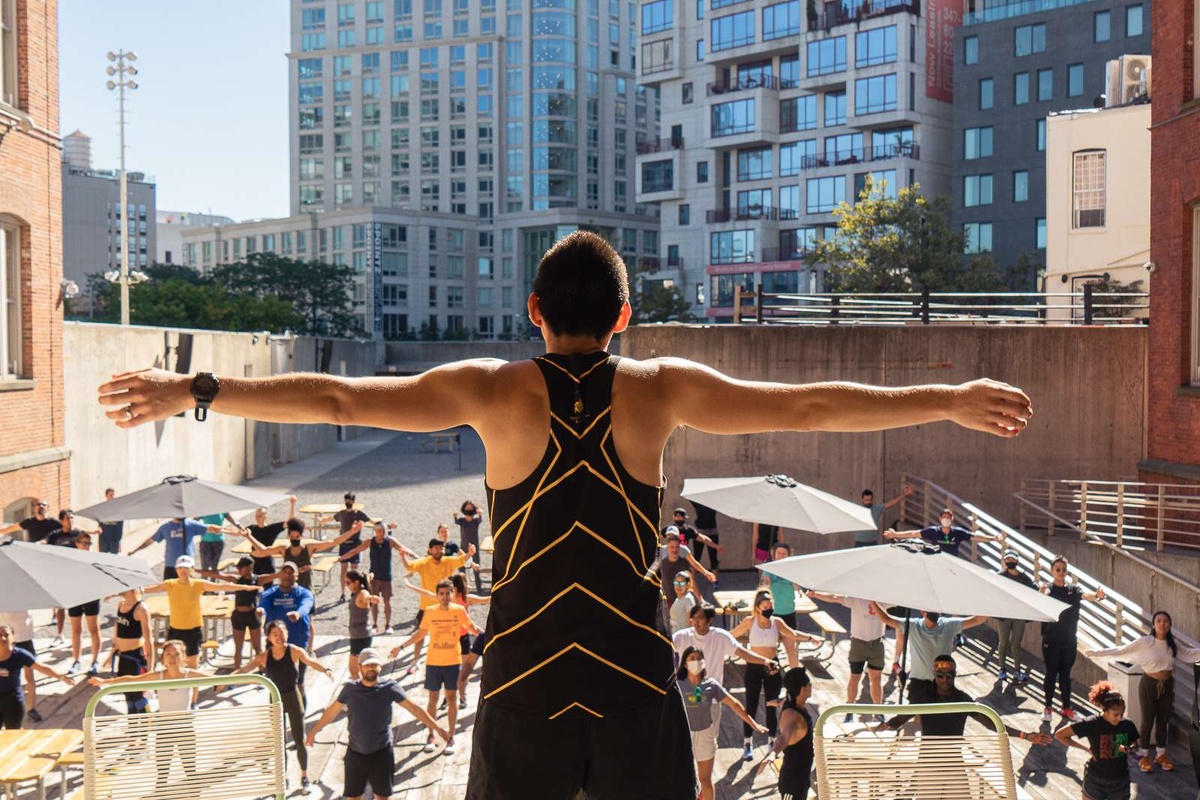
x=904 y=655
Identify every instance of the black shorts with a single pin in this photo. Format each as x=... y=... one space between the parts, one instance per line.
x=646 y=755
x=26 y=645
x=191 y=638
x=480 y=642
x=375 y=769
x=358 y=645
x=91 y=609
x=464 y=644
x=241 y=620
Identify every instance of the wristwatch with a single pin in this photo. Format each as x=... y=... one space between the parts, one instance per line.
x=204 y=390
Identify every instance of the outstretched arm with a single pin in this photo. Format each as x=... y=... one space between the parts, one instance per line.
x=331 y=712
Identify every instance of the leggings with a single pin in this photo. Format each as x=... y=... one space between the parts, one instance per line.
x=1158 y=704
x=133 y=662
x=165 y=747
x=12 y=711
x=294 y=708
x=1059 y=658
x=1011 y=631
x=758 y=680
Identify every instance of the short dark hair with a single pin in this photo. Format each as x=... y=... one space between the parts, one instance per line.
x=703 y=608
x=349 y=496
x=295 y=524
x=436 y=543
x=868 y=492
x=445 y=583
x=682 y=672
x=66 y=512
x=581 y=285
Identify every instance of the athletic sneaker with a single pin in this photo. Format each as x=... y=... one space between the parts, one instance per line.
x=449 y=748
x=94 y=669
x=462 y=700
x=1002 y=675
x=848 y=718
x=445 y=702
x=1068 y=713
x=959 y=640
x=1023 y=676
x=1145 y=764
x=1165 y=763
x=411 y=669
x=387 y=630
x=57 y=641
x=1046 y=714
x=305 y=785
x=34 y=715
x=748 y=752
x=429 y=745
x=74 y=668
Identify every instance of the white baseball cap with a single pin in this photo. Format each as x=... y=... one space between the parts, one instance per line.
x=185 y=561
x=369 y=656
x=290 y=565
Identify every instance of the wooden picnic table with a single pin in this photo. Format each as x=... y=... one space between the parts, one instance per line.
x=215 y=608
x=319 y=510
x=31 y=754
x=244 y=546
x=436 y=441
x=487 y=545
x=728 y=603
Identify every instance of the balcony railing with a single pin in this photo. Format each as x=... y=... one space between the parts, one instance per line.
x=744 y=213
x=743 y=83
x=659 y=145
x=849 y=12
x=858 y=155
x=649 y=187
x=770 y=254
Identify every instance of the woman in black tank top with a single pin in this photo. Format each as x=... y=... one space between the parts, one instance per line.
x=133 y=651
x=795 y=740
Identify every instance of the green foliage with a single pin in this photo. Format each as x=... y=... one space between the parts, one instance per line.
x=904 y=243
x=266 y=292
x=659 y=303
x=1104 y=304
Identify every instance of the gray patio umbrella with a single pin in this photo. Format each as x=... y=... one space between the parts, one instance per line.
x=779 y=500
x=45 y=576
x=181 y=496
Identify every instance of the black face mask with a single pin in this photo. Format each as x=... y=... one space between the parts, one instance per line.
x=1010 y=565
x=767 y=613
x=349 y=504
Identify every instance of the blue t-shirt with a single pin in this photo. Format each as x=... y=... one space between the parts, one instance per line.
x=948 y=540
x=278 y=604
x=10 y=672
x=783 y=595
x=178 y=544
x=369 y=714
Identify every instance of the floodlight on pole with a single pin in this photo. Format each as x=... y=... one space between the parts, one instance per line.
x=124 y=82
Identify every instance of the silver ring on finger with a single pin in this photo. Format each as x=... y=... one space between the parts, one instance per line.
x=128 y=412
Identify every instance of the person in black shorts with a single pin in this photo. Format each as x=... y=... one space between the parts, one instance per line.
x=89 y=612
x=262 y=535
x=368 y=702
x=349 y=519
x=574 y=441
x=245 y=610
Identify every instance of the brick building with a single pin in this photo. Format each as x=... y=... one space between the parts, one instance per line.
x=33 y=458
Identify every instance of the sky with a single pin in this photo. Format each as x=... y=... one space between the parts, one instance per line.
x=209 y=117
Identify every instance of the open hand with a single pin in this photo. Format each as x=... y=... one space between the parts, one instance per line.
x=991 y=407
x=145 y=395
x=1039 y=738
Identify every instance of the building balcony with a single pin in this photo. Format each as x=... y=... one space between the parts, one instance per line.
x=719 y=215
x=827 y=82
x=660 y=184
x=743 y=83
x=659 y=145
x=861 y=155
x=772 y=255
x=847 y=12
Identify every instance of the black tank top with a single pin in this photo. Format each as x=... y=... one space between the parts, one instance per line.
x=128 y=626
x=798 y=757
x=245 y=598
x=572 y=620
x=303 y=559
x=282 y=672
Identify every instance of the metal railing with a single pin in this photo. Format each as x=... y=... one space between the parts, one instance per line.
x=862 y=154
x=848 y=12
x=743 y=83
x=741 y=213
x=659 y=145
x=770 y=254
x=944 y=308
x=1126 y=513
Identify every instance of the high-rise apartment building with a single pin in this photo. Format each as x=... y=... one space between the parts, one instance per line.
x=772 y=114
x=1017 y=61
x=508 y=122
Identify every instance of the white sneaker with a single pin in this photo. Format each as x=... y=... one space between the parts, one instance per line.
x=387 y=630
x=1046 y=714
x=429 y=745
x=449 y=748
x=57 y=641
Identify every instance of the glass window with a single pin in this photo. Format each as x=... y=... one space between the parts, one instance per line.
x=12 y=295
x=1045 y=85
x=789 y=71
x=733 y=117
x=701 y=172
x=1029 y=39
x=1134 y=20
x=1089 y=189
x=835 y=109
x=883 y=184
x=1020 y=186
x=970 y=49
x=827 y=56
x=734 y=30
x=754 y=165
x=986 y=94
x=1041 y=134
x=798 y=114
x=658 y=176
x=685 y=214
x=656 y=16
x=1102 y=26
x=781 y=19
x=977 y=143
x=876 y=46
x=1040 y=224
x=824 y=194
x=873 y=95
x=1021 y=88
x=731 y=247
x=795 y=156
x=1074 y=80
x=977 y=190
x=978 y=237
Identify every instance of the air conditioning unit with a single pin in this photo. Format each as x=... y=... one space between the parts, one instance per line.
x=1127 y=80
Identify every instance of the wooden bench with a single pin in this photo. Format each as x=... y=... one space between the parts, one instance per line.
x=830 y=626
x=226 y=563
x=71 y=759
x=325 y=566
x=434 y=442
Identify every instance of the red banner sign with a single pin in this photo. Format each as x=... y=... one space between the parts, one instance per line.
x=942 y=17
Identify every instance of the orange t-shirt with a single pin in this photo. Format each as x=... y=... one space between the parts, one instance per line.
x=444 y=627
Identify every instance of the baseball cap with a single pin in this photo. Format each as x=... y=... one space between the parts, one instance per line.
x=185 y=561
x=682 y=511
x=369 y=656
x=672 y=532
x=1013 y=554
x=245 y=561
x=290 y=565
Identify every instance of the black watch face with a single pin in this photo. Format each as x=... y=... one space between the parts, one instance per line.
x=204 y=386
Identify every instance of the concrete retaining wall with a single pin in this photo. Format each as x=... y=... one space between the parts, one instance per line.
x=224 y=448
x=1086 y=385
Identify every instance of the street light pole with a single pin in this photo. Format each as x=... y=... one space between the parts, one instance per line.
x=124 y=73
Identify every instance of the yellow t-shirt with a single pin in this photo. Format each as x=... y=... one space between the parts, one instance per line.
x=434 y=572
x=444 y=626
x=184 y=600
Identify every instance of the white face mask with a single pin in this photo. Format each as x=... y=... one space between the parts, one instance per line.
x=696 y=667
x=947 y=522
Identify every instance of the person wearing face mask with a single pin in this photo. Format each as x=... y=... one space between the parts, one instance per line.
x=700 y=694
x=945 y=534
x=1012 y=630
x=298 y=553
x=935 y=634
x=349 y=519
x=764 y=631
x=264 y=534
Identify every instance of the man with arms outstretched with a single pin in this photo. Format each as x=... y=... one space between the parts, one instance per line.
x=574 y=443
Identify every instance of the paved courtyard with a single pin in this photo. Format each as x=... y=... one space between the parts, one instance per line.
x=395 y=480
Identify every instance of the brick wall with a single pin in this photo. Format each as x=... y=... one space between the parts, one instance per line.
x=31 y=410
x=1173 y=418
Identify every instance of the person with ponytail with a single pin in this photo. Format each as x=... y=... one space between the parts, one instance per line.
x=1110 y=739
x=701 y=694
x=795 y=741
x=1156 y=654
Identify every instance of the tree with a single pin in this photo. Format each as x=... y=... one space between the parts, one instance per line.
x=903 y=243
x=320 y=293
x=657 y=302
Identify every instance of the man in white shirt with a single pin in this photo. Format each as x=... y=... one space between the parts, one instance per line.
x=866 y=645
